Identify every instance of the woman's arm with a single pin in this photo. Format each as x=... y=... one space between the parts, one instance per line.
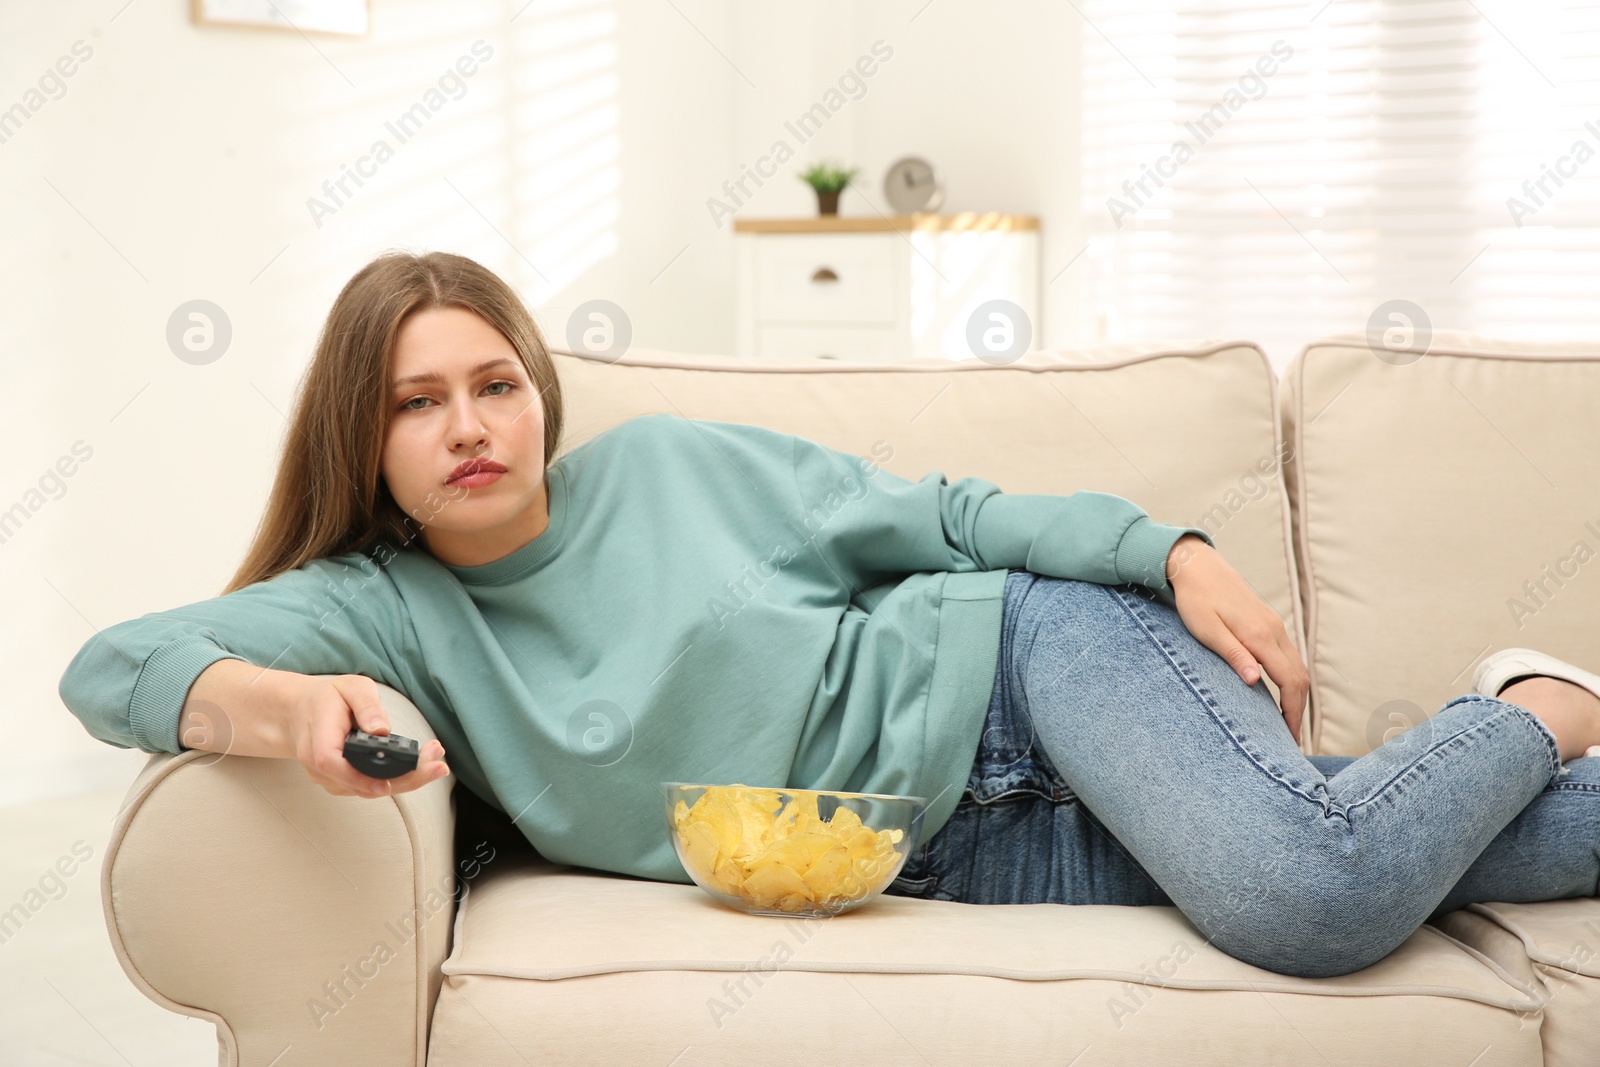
x=130 y=683
x=873 y=526
x=879 y=523
x=238 y=709
x=256 y=722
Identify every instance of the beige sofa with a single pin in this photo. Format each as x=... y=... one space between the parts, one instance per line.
x=1414 y=502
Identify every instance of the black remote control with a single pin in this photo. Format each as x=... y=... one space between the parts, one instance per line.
x=381 y=755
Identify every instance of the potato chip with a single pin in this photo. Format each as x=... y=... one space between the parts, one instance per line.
x=750 y=843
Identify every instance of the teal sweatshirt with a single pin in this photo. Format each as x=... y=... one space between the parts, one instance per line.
x=711 y=602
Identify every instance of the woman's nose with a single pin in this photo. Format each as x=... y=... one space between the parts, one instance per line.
x=466 y=423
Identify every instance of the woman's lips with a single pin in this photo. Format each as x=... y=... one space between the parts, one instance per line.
x=477 y=479
x=478 y=471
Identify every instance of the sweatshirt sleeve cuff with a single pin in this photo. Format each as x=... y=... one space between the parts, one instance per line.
x=163 y=686
x=1142 y=552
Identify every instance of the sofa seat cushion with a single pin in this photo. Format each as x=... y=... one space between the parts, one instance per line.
x=547 y=956
x=1554 y=946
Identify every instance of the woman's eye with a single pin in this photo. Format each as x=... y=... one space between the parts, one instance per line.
x=409 y=404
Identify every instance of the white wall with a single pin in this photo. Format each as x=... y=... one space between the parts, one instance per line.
x=990 y=100
x=578 y=160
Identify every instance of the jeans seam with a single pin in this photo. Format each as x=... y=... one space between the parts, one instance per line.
x=1024 y=792
x=1437 y=747
x=1033 y=635
x=1060 y=790
x=1328 y=805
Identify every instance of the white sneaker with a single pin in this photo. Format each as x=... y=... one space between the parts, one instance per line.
x=1497 y=670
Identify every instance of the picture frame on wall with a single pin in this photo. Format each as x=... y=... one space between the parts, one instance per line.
x=346 y=18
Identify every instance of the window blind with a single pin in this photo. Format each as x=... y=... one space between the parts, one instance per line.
x=1280 y=171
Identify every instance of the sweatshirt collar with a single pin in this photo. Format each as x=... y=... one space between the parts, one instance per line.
x=531 y=556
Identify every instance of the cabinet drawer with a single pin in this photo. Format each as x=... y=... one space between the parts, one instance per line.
x=793 y=282
x=862 y=344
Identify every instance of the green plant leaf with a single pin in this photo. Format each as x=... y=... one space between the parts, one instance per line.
x=828 y=177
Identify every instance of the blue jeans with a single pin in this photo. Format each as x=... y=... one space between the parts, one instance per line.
x=1124 y=762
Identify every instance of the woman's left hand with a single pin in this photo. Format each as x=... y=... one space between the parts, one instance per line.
x=1225 y=614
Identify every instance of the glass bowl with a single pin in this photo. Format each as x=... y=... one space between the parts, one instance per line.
x=790 y=852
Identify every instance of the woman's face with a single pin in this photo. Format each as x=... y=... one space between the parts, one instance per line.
x=459 y=393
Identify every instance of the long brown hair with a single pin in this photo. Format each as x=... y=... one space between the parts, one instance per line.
x=329 y=496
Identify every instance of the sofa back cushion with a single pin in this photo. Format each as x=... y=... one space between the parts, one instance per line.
x=1188 y=433
x=1445 y=507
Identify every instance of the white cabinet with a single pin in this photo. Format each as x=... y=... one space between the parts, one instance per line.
x=880 y=289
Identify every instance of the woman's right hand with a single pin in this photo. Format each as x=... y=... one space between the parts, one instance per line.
x=323 y=711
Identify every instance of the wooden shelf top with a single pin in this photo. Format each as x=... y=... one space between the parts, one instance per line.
x=982 y=221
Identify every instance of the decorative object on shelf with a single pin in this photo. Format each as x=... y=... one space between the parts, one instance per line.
x=912 y=185
x=349 y=18
x=829 y=181
x=883 y=288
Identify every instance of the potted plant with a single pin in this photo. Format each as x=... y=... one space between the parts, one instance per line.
x=829 y=182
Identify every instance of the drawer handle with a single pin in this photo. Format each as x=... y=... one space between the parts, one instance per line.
x=824 y=274
x=825 y=355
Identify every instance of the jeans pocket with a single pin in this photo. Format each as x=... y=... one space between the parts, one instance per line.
x=915 y=878
x=911 y=887
x=928 y=865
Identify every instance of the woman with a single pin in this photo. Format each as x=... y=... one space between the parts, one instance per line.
x=690 y=600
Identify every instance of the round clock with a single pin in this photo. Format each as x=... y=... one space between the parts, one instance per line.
x=911 y=185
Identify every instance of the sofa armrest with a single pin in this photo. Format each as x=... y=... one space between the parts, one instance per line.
x=238 y=891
